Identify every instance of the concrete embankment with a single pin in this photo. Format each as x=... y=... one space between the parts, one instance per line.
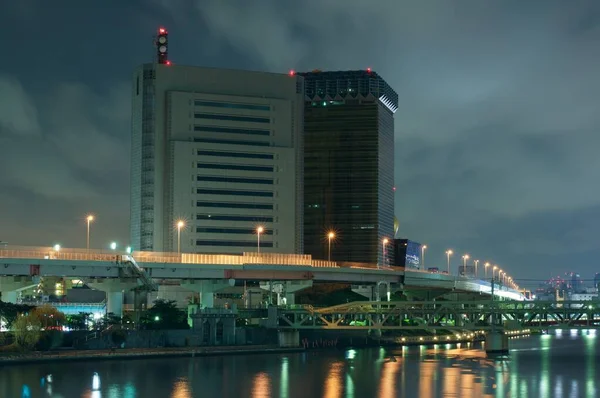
x=138 y=353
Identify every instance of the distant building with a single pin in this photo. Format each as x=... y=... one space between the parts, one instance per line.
x=597 y=280
x=407 y=253
x=221 y=150
x=348 y=164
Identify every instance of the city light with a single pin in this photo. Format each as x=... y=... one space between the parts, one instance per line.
x=330 y=238
x=90 y=218
x=180 y=224
x=113 y=246
x=259 y=230
x=423 y=255
x=56 y=248
x=448 y=254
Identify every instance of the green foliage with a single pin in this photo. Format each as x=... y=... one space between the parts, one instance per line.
x=27 y=331
x=118 y=337
x=9 y=312
x=50 y=317
x=164 y=315
x=78 y=321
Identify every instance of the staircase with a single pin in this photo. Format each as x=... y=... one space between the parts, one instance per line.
x=139 y=273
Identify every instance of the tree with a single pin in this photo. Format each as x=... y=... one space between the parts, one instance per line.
x=50 y=317
x=164 y=315
x=9 y=312
x=27 y=331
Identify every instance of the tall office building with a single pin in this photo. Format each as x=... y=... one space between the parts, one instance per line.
x=349 y=165
x=221 y=150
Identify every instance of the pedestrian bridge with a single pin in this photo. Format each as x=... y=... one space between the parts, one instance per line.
x=484 y=315
x=151 y=268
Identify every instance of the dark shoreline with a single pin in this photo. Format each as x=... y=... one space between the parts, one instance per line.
x=143 y=353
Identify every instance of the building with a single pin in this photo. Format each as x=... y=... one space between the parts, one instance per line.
x=220 y=150
x=348 y=164
x=407 y=253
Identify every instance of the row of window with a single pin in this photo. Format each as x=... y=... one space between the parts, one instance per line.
x=233 y=243
x=237 y=154
x=231 y=142
x=232 y=118
x=230 y=130
x=230 y=192
x=229 y=105
x=241 y=180
x=228 y=205
x=216 y=166
x=234 y=218
x=212 y=230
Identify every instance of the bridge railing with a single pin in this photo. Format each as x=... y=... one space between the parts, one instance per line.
x=61 y=254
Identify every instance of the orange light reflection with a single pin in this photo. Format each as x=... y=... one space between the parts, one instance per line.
x=261 y=386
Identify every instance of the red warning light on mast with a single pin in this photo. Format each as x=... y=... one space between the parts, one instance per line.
x=369 y=70
x=292 y=72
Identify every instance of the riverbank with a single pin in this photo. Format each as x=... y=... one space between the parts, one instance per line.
x=138 y=353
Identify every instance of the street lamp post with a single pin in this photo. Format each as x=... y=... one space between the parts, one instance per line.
x=180 y=224
x=476 y=262
x=423 y=255
x=465 y=258
x=383 y=248
x=330 y=237
x=448 y=254
x=494 y=271
x=89 y=220
x=259 y=231
x=486 y=265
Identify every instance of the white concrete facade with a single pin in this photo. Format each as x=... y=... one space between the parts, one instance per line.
x=221 y=150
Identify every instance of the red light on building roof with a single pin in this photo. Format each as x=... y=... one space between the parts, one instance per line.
x=369 y=70
x=292 y=72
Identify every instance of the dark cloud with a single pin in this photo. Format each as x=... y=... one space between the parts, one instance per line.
x=496 y=135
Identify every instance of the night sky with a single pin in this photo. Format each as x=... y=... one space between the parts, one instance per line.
x=497 y=141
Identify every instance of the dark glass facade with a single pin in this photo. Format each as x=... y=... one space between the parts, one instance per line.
x=349 y=165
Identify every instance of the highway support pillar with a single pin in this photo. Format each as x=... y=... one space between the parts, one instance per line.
x=285 y=290
x=206 y=289
x=114 y=289
x=496 y=343
x=11 y=286
x=288 y=338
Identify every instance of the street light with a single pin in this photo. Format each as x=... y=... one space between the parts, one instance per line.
x=465 y=258
x=113 y=246
x=128 y=250
x=423 y=255
x=448 y=254
x=89 y=219
x=493 y=271
x=180 y=224
x=485 y=269
x=56 y=248
x=330 y=237
x=476 y=262
x=259 y=230
x=384 y=245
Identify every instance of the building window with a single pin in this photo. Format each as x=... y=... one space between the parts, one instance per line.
x=217 y=217
x=212 y=230
x=236 y=154
x=231 y=142
x=228 y=205
x=205 y=191
x=233 y=243
x=232 y=106
x=232 y=118
x=240 y=167
x=231 y=130
x=241 y=180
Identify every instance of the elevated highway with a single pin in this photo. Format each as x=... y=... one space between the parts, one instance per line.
x=115 y=272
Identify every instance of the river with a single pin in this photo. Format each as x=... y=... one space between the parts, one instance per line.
x=565 y=365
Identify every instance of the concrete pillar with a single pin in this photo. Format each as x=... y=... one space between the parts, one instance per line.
x=496 y=342
x=114 y=303
x=285 y=290
x=10 y=286
x=288 y=338
x=207 y=289
x=114 y=289
x=10 y=297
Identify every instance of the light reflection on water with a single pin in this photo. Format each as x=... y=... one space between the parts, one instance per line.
x=557 y=365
